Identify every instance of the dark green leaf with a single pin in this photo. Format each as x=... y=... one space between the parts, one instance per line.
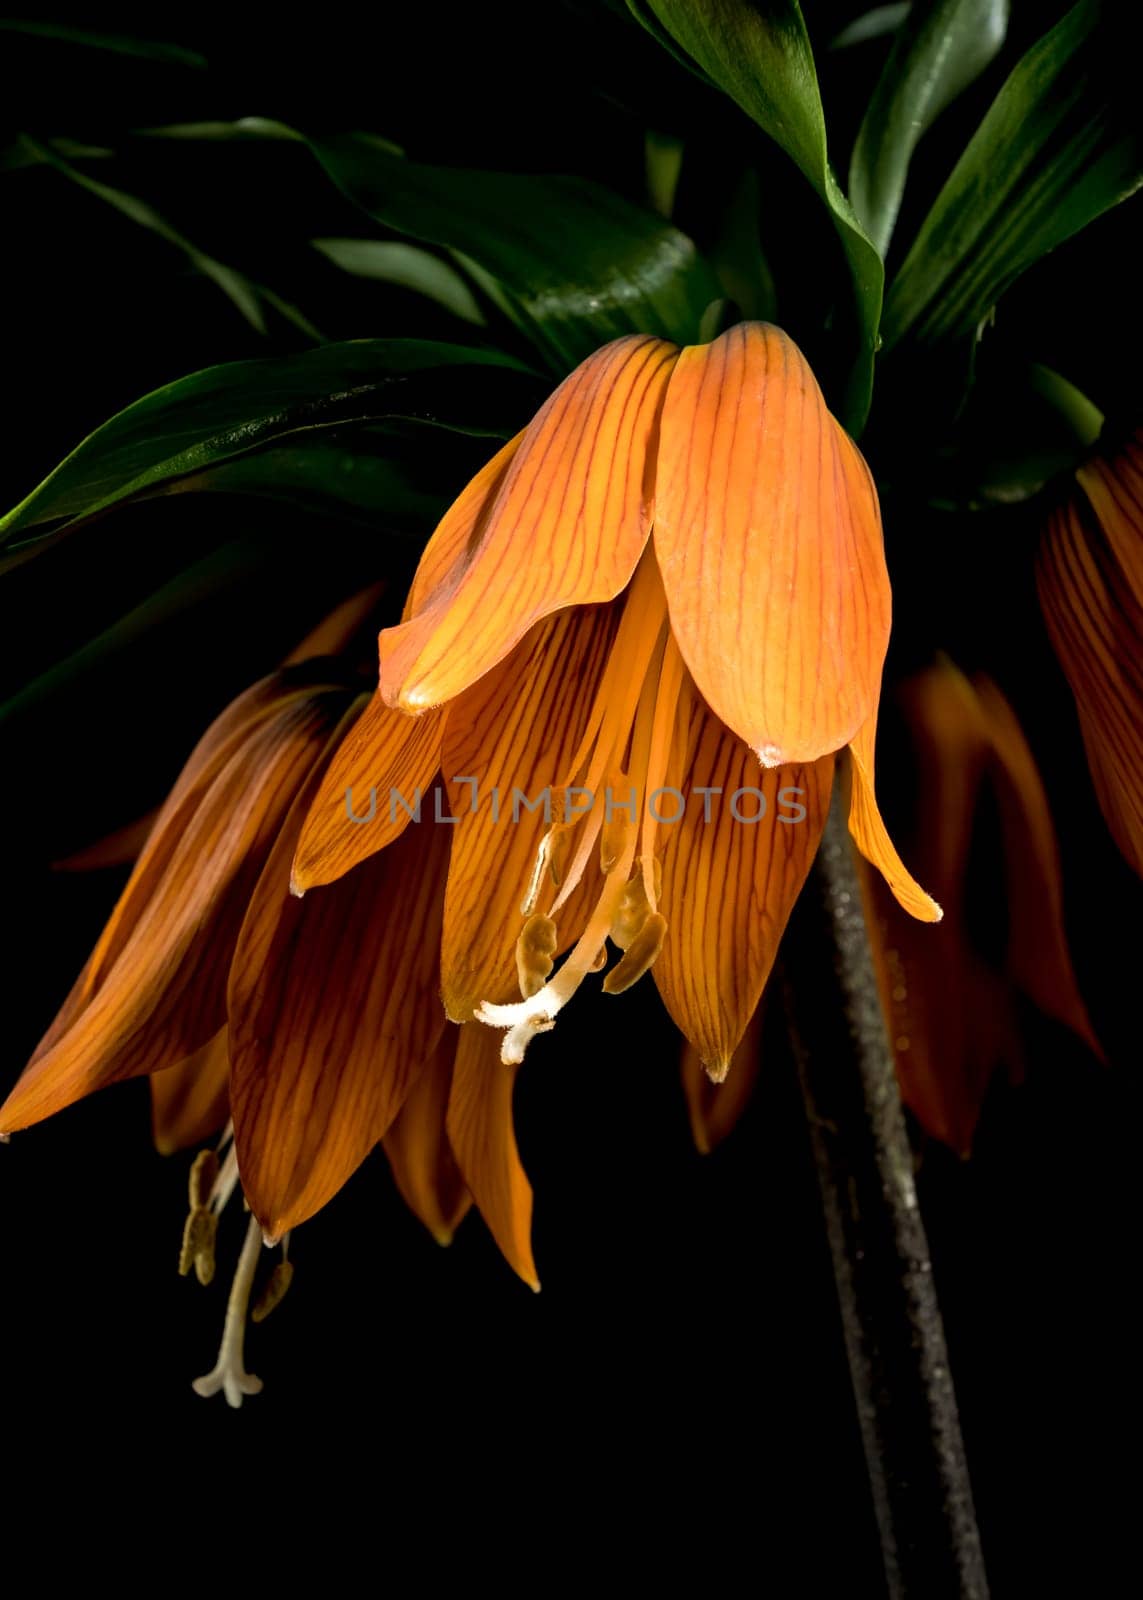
x=942 y=48
x=575 y=264
x=229 y=411
x=409 y=267
x=758 y=52
x=1061 y=143
x=117 y=43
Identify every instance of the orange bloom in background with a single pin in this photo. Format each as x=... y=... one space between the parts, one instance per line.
x=1090 y=578
x=953 y=1015
x=671 y=583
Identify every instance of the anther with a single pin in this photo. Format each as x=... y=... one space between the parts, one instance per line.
x=199 y=1234
x=203 y=1177
x=639 y=955
x=535 y=949
x=274 y=1292
x=634 y=907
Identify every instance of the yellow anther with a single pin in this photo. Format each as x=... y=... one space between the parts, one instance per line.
x=203 y=1176
x=274 y=1292
x=639 y=956
x=634 y=907
x=199 y=1234
x=535 y=949
x=559 y=843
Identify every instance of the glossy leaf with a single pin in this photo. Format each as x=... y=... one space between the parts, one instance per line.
x=407 y=266
x=1061 y=143
x=229 y=411
x=758 y=52
x=117 y=43
x=942 y=48
x=576 y=264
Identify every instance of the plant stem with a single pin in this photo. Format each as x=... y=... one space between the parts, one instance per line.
x=894 y=1335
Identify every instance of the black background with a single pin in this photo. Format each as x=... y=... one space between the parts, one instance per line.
x=679 y=1388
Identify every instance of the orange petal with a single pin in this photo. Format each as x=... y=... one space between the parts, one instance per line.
x=729 y=885
x=162 y=964
x=190 y=1102
x=869 y=833
x=768 y=535
x=379 y=777
x=950 y=1020
x=333 y=1011
x=1038 y=958
x=337 y=631
x=481 y=1133
x=517 y=730
x=458 y=531
x=566 y=527
x=715 y=1108
x=1091 y=592
x=117 y=849
x=423 y=1165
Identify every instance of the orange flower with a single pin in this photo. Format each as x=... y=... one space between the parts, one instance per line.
x=1090 y=576
x=672 y=583
x=952 y=1010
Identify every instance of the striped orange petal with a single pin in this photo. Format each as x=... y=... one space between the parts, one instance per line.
x=566 y=527
x=870 y=834
x=730 y=882
x=1090 y=579
x=420 y=1156
x=483 y=1139
x=154 y=991
x=768 y=535
x=375 y=784
x=514 y=735
x=333 y=1011
x=190 y=1102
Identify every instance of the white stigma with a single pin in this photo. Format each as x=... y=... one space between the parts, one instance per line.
x=229 y=1373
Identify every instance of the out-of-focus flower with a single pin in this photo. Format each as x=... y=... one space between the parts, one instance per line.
x=951 y=1007
x=668 y=591
x=1090 y=577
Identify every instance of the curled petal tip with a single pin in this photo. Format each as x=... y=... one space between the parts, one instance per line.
x=271 y=1237
x=771 y=755
x=717 y=1070
x=297 y=887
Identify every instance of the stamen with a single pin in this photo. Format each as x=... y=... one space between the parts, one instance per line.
x=635 y=905
x=229 y=1373
x=621 y=801
x=199 y=1234
x=535 y=949
x=203 y=1176
x=639 y=956
x=274 y=1293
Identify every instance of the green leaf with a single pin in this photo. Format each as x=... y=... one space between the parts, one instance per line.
x=247 y=297
x=758 y=52
x=245 y=406
x=407 y=266
x=576 y=264
x=942 y=48
x=870 y=25
x=1061 y=144
x=117 y=43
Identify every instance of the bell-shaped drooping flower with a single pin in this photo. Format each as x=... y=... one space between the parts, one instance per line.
x=662 y=610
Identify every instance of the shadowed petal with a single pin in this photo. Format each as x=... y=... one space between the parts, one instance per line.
x=518 y=729
x=190 y=1102
x=1038 y=959
x=729 y=885
x=481 y=1133
x=379 y=775
x=423 y=1165
x=567 y=527
x=768 y=536
x=1091 y=590
x=333 y=1011
x=159 y=985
